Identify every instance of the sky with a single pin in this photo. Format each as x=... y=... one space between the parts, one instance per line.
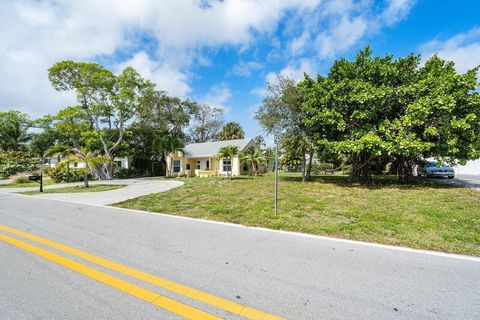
x=216 y=52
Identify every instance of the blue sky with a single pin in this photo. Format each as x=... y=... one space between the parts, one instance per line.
x=219 y=52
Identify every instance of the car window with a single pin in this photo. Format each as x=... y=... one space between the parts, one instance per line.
x=431 y=164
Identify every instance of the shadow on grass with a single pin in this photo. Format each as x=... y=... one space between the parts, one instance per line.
x=377 y=182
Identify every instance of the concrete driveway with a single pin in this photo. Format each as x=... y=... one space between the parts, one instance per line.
x=135 y=188
x=471 y=181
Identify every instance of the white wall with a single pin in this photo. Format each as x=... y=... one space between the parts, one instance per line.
x=472 y=167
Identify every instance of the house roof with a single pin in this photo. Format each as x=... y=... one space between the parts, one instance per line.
x=210 y=149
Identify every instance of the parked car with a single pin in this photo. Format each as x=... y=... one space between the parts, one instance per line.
x=431 y=169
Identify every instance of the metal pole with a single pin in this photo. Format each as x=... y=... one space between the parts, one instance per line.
x=41 y=182
x=276 y=175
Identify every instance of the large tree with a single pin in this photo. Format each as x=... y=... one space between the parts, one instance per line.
x=107 y=101
x=378 y=108
x=14 y=127
x=207 y=123
x=280 y=114
x=231 y=131
x=162 y=118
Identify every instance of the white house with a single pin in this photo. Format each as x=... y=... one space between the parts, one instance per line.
x=122 y=162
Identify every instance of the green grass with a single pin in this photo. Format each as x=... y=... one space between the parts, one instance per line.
x=46 y=181
x=78 y=189
x=424 y=214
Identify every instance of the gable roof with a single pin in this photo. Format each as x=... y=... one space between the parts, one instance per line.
x=210 y=149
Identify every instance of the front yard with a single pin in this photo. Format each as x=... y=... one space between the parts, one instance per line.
x=424 y=215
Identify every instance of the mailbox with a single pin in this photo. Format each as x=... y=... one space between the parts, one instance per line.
x=34 y=178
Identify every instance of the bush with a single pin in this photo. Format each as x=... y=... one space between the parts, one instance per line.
x=123 y=173
x=318 y=168
x=19 y=179
x=60 y=174
x=347 y=169
x=12 y=162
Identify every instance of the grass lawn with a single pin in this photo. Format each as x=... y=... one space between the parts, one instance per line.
x=424 y=214
x=79 y=189
x=46 y=181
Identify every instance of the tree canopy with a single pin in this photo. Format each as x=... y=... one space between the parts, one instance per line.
x=231 y=131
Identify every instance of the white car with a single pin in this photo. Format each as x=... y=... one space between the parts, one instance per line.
x=431 y=169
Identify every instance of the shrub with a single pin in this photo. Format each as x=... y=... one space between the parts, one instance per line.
x=347 y=169
x=12 y=162
x=123 y=173
x=19 y=179
x=318 y=168
x=60 y=174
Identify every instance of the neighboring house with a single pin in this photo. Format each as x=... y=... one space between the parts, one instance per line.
x=122 y=162
x=201 y=159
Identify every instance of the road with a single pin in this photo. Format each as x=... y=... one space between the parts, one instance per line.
x=266 y=274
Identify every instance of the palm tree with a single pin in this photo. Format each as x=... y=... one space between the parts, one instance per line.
x=231 y=131
x=91 y=160
x=166 y=145
x=254 y=158
x=228 y=153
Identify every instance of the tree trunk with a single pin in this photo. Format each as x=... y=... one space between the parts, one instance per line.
x=360 y=171
x=85 y=180
x=405 y=166
x=309 y=167
x=303 y=167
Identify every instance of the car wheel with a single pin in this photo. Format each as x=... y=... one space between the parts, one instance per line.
x=451 y=177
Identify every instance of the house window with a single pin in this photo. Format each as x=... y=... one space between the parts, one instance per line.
x=176 y=165
x=208 y=164
x=227 y=165
x=75 y=164
x=119 y=164
x=188 y=166
x=198 y=165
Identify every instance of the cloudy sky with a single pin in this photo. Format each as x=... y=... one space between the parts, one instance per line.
x=218 y=52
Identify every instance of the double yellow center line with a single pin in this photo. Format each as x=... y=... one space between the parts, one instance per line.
x=127 y=287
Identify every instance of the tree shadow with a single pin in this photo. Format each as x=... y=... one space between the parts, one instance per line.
x=377 y=182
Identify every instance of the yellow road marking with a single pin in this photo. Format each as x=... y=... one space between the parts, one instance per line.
x=218 y=302
x=134 y=290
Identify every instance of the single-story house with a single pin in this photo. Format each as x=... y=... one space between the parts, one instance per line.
x=201 y=159
x=122 y=162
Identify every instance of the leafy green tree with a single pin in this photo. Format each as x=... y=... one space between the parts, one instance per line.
x=231 y=131
x=373 y=108
x=207 y=123
x=228 y=153
x=107 y=101
x=91 y=160
x=281 y=114
x=14 y=130
x=254 y=158
x=161 y=116
x=167 y=144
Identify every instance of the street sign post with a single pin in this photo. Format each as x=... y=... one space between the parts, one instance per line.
x=276 y=138
x=37 y=178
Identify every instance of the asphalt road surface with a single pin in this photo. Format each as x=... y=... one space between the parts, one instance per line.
x=177 y=268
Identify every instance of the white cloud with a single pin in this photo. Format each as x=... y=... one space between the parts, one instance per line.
x=294 y=70
x=463 y=49
x=218 y=97
x=245 y=69
x=397 y=10
x=164 y=76
x=35 y=34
